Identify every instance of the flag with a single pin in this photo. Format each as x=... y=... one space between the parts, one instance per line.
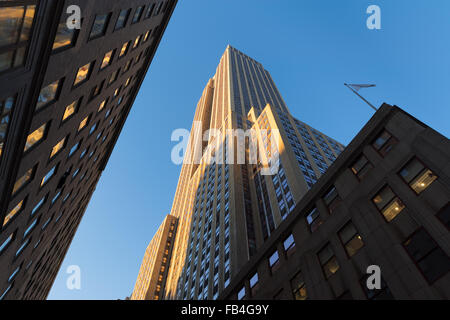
x=356 y=87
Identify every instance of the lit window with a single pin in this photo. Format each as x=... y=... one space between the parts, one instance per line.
x=13 y=212
x=350 y=238
x=23 y=180
x=65 y=37
x=83 y=123
x=48 y=176
x=36 y=136
x=15 y=28
x=332 y=199
x=136 y=42
x=82 y=74
x=48 y=94
x=432 y=261
x=127 y=82
x=122 y=19
x=124 y=49
x=361 y=167
x=328 y=261
x=313 y=220
x=388 y=203
x=384 y=143
x=116 y=92
x=58 y=147
x=5 y=117
x=298 y=287
x=417 y=175
x=102 y=105
x=107 y=59
x=99 y=26
x=138 y=14
x=70 y=110
x=146 y=36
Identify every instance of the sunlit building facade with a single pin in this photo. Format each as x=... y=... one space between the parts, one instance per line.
x=227 y=209
x=64 y=97
x=154 y=268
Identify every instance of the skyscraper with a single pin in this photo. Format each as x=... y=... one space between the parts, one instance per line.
x=64 y=97
x=227 y=210
x=153 y=272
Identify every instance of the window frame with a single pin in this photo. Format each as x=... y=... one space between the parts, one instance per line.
x=425 y=167
x=106 y=24
x=388 y=203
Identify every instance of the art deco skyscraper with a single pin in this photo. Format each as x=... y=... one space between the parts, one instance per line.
x=227 y=210
x=64 y=97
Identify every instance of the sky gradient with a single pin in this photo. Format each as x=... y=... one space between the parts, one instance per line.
x=310 y=47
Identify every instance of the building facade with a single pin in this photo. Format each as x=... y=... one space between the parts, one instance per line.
x=64 y=97
x=152 y=276
x=384 y=202
x=227 y=208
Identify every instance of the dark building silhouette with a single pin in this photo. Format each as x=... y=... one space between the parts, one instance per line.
x=64 y=97
x=385 y=201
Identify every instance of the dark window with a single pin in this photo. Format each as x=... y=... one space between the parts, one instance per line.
x=289 y=245
x=332 y=199
x=65 y=37
x=122 y=19
x=431 y=260
x=138 y=14
x=97 y=90
x=384 y=293
x=388 y=203
x=298 y=287
x=328 y=261
x=150 y=10
x=274 y=262
x=361 y=167
x=313 y=220
x=384 y=143
x=6 y=107
x=100 y=25
x=15 y=32
x=417 y=176
x=48 y=94
x=444 y=215
x=351 y=239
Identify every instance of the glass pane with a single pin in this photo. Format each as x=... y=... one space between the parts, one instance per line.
x=22 y=180
x=27 y=23
x=99 y=26
x=83 y=123
x=6 y=60
x=435 y=265
x=383 y=197
x=83 y=73
x=423 y=181
x=106 y=59
x=13 y=212
x=20 y=57
x=354 y=245
x=393 y=209
x=124 y=49
x=411 y=170
x=47 y=95
x=64 y=36
x=347 y=232
x=420 y=244
x=10 y=23
x=35 y=137
x=325 y=254
x=331 y=267
x=70 y=110
x=381 y=140
x=122 y=20
x=57 y=147
x=359 y=164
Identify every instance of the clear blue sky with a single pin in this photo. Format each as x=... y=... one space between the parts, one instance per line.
x=311 y=47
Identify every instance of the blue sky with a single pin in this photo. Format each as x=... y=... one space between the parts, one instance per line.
x=310 y=47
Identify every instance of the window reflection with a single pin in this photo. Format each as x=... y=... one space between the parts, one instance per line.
x=48 y=94
x=65 y=37
x=6 y=106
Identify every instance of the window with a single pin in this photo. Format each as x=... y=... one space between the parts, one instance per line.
x=328 y=261
x=147 y=34
x=83 y=123
x=122 y=19
x=350 y=238
x=18 y=208
x=48 y=176
x=71 y=109
x=65 y=37
x=58 y=147
x=136 y=41
x=6 y=106
x=444 y=215
x=289 y=245
x=30 y=228
x=107 y=59
x=388 y=203
x=361 y=167
x=127 y=66
x=99 y=26
x=15 y=30
x=431 y=260
x=274 y=262
x=39 y=205
x=14 y=274
x=101 y=106
x=22 y=247
x=138 y=14
x=254 y=283
x=127 y=82
x=5 y=243
x=74 y=149
x=83 y=74
x=36 y=136
x=124 y=49
x=384 y=143
x=298 y=287
x=114 y=76
x=384 y=293
x=48 y=94
x=23 y=180
x=150 y=10
x=417 y=176
x=96 y=90
x=313 y=220
x=241 y=294
x=332 y=199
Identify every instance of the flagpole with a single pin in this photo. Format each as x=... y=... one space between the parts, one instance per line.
x=355 y=92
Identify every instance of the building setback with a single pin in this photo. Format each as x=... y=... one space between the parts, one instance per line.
x=64 y=97
x=227 y=210
x=385 y=201
x=155 y=265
